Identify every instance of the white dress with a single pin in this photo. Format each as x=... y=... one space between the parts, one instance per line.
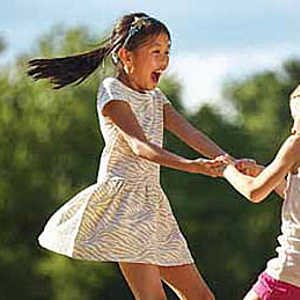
x=286 y=266
x=125 y=216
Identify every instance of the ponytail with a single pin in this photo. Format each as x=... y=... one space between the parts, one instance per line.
x=131 y=32
x=67 y=70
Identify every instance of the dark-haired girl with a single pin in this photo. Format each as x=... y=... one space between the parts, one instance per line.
x=125 y=216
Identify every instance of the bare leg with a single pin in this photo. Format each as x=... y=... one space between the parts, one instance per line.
x=144 y=281
x=251 y=296
x=186 y=282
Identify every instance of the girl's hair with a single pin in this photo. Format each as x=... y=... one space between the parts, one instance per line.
x=295 y=107
x=131 y=32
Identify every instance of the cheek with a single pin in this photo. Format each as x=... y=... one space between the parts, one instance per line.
x=168 y=60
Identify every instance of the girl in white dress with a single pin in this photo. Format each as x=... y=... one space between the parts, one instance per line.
x=125 y=216
x=281 y=278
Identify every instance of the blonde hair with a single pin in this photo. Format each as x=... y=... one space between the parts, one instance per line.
x=295 y=107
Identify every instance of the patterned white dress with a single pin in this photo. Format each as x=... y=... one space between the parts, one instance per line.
x=125 y=216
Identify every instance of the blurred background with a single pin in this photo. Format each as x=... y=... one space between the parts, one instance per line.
x=233 y=66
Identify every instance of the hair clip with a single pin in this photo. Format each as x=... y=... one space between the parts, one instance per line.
x=135 y=27
x=137 y=24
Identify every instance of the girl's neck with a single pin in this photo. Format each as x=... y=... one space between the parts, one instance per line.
x=124 y=78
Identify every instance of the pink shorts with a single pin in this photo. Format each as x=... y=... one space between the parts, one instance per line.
x=268 y=288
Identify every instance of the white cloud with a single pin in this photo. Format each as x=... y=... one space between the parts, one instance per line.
x=203 y=75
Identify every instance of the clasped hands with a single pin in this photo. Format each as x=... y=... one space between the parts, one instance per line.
x=215 y=167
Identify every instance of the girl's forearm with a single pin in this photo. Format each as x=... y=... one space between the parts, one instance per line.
x=201 y=143
x=258 y=188
x=242 y=183
x=280 y=188
x=204 y=145
x=156 y=154
x=189 y=134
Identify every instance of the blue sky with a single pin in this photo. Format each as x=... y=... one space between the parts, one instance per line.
x=213 y=41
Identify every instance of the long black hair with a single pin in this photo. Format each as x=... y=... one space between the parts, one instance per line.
x=130 y=32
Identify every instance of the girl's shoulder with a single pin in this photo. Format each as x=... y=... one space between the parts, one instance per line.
x=290 y=150
x=110 y=83
x=110 y=89
x=293 y=142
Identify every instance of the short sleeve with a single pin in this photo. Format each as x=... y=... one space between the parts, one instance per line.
x=110 y=89
x=162 y=96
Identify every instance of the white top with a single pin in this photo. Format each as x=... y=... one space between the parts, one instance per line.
x=117 y=159
x=286 y=266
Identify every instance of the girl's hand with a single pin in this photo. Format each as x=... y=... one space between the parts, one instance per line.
x=247 y=167
x=213 y=168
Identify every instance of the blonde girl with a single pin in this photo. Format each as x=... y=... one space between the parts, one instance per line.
x=281 y=278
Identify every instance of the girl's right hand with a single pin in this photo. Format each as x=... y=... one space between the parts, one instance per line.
x=213 y=168
x=247 y=167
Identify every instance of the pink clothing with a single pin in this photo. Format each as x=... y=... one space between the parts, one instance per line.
x=268 y=288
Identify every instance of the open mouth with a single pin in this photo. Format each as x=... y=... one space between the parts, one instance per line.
x=155 y=76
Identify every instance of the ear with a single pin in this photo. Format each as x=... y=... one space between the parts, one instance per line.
x=126 y=57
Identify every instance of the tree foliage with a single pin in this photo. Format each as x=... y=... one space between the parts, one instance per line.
x=50 y=146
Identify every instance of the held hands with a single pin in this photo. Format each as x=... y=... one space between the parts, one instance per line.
x=214 y=167
x=247 y=167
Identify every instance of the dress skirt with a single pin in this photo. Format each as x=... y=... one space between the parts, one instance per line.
x=119 y=221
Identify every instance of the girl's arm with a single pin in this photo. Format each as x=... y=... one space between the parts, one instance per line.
x=193 y=137
x=121 y=114
x=255 y=170
x=258 y=188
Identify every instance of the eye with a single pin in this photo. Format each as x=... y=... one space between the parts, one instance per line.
x=156 y=51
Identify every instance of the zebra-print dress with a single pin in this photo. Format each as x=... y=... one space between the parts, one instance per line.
x=125 y=216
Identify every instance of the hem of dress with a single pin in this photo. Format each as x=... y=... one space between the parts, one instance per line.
x=112 y=260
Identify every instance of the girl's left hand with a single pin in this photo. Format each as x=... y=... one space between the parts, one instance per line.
x=217 y=165
x=247 y=166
